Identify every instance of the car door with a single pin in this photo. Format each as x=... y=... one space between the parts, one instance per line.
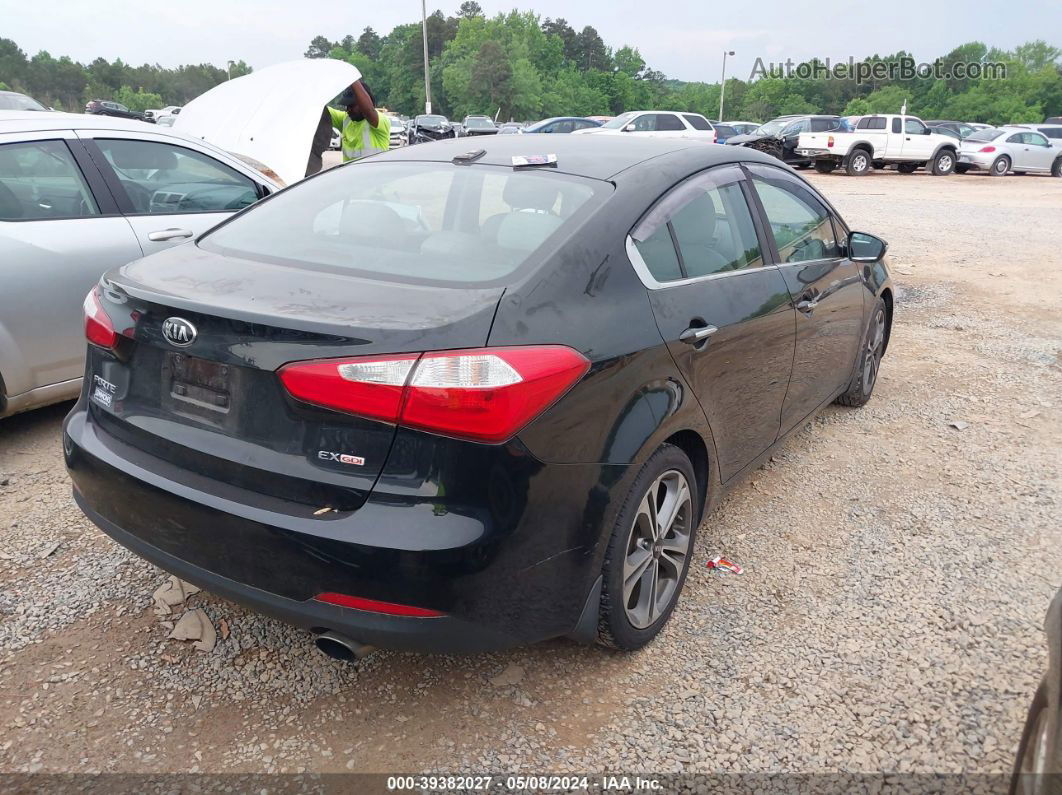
x=170 y=192
x=917 y=144
x=1038 y=150
x=726 y=317
x=791 y=134
x=1018 y=151
x=827 y=288
x=60 y=229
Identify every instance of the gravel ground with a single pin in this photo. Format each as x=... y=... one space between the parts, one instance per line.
x=890 y=616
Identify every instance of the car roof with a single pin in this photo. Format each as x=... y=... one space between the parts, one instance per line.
x=601 y=157
x=33 y=121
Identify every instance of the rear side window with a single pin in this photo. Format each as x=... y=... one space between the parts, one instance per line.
x=697 y=122
x=425 y=222
x=896 y=125
x=800 y=223
x=1052 y=132
x=703 y=227
x=668 y=122
x=872 y=123
x=161 y=178
x=823 y=125
x=40 y=180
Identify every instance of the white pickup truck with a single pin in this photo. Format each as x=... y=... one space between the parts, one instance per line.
x=878 y=141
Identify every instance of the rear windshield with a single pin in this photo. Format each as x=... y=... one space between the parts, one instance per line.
x=13 y=101
x=422 y=222
x=990 y=134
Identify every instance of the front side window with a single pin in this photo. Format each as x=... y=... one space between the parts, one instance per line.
x=801 y=224
x=422 y=222
x=161 y=178
x=703 y=227
x=795 y=128
x=1035 y=139
x=914 y=127
x=40 y=180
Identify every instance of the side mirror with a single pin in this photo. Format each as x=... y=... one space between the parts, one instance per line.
x=927 y=131
x=864 y=247
x=629 y=127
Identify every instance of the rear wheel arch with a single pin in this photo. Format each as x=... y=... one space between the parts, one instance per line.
x=886 y=296
x=696 y=449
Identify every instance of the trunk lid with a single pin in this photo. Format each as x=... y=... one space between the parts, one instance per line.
x=207 y=400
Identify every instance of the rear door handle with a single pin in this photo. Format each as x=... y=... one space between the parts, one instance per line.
x=696 y=334
x=162 y=235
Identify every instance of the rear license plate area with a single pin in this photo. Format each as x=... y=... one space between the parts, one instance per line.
x=198 y=388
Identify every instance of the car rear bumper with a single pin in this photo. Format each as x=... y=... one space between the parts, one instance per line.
x=974 y=160
x=498 y=580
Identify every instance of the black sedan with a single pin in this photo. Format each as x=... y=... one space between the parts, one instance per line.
x=444 y=399
x=103 y=107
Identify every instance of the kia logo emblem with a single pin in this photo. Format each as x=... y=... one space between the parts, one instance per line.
x=178 y=331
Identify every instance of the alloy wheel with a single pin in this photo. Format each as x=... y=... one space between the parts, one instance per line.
x=657 y=547
x=859 y=162
x=944 y=163
x=875 y=343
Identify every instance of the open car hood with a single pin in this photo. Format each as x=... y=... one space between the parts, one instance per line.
x=269 y=115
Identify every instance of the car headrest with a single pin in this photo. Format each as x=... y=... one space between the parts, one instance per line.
x=143 y=155
x=526 y=231
x=530 y=193
x=374 y=220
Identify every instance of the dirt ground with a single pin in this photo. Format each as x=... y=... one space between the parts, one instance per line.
x=898 y=570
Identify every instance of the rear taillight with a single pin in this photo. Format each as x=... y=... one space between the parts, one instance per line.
x=829 y=141
x=987 y=149
x=486 y=394
x=98 y=327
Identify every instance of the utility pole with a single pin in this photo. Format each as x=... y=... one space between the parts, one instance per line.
x=722 y=84
x=427 y=73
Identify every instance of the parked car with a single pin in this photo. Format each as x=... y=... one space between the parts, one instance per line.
x=479 y=125
x=335 y=143
x=430 y=127
x=168 y=115
x=1053 y=120
x=1038 y=765
x=1053 y=132
x=655 y=124
x=78 y=195
x=1001 y=150
x=960 y=128
x=103 y=107
x=561 y=124
x=742 y=127
x=12 y=100
x=723 y=132
x=946 y=131
x=878 y=141
x=510 y=128
x=399 y=134
x=391 y=392
x=779 y=137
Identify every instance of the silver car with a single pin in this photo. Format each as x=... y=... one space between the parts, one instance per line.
x=80 y=195
x=1001 y=150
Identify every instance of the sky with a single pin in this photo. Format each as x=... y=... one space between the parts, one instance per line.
x=685 y=40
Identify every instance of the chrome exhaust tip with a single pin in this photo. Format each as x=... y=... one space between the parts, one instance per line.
x=340 y=647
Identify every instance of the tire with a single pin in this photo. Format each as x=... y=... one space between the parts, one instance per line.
x=825 y=166
x=907 y=168
x=870 y=351
x=630 y=617
x=961 y=169
x=943 y=163
x=1000 y=167
x=1056 y=168
x=859 y=164
x=1032 y=755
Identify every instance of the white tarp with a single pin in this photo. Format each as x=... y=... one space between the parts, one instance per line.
x=270 y=114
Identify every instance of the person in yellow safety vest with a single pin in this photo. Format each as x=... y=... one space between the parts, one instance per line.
x=362 y=130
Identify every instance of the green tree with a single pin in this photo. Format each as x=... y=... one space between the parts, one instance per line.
x=319 y=48
x=369 y=44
